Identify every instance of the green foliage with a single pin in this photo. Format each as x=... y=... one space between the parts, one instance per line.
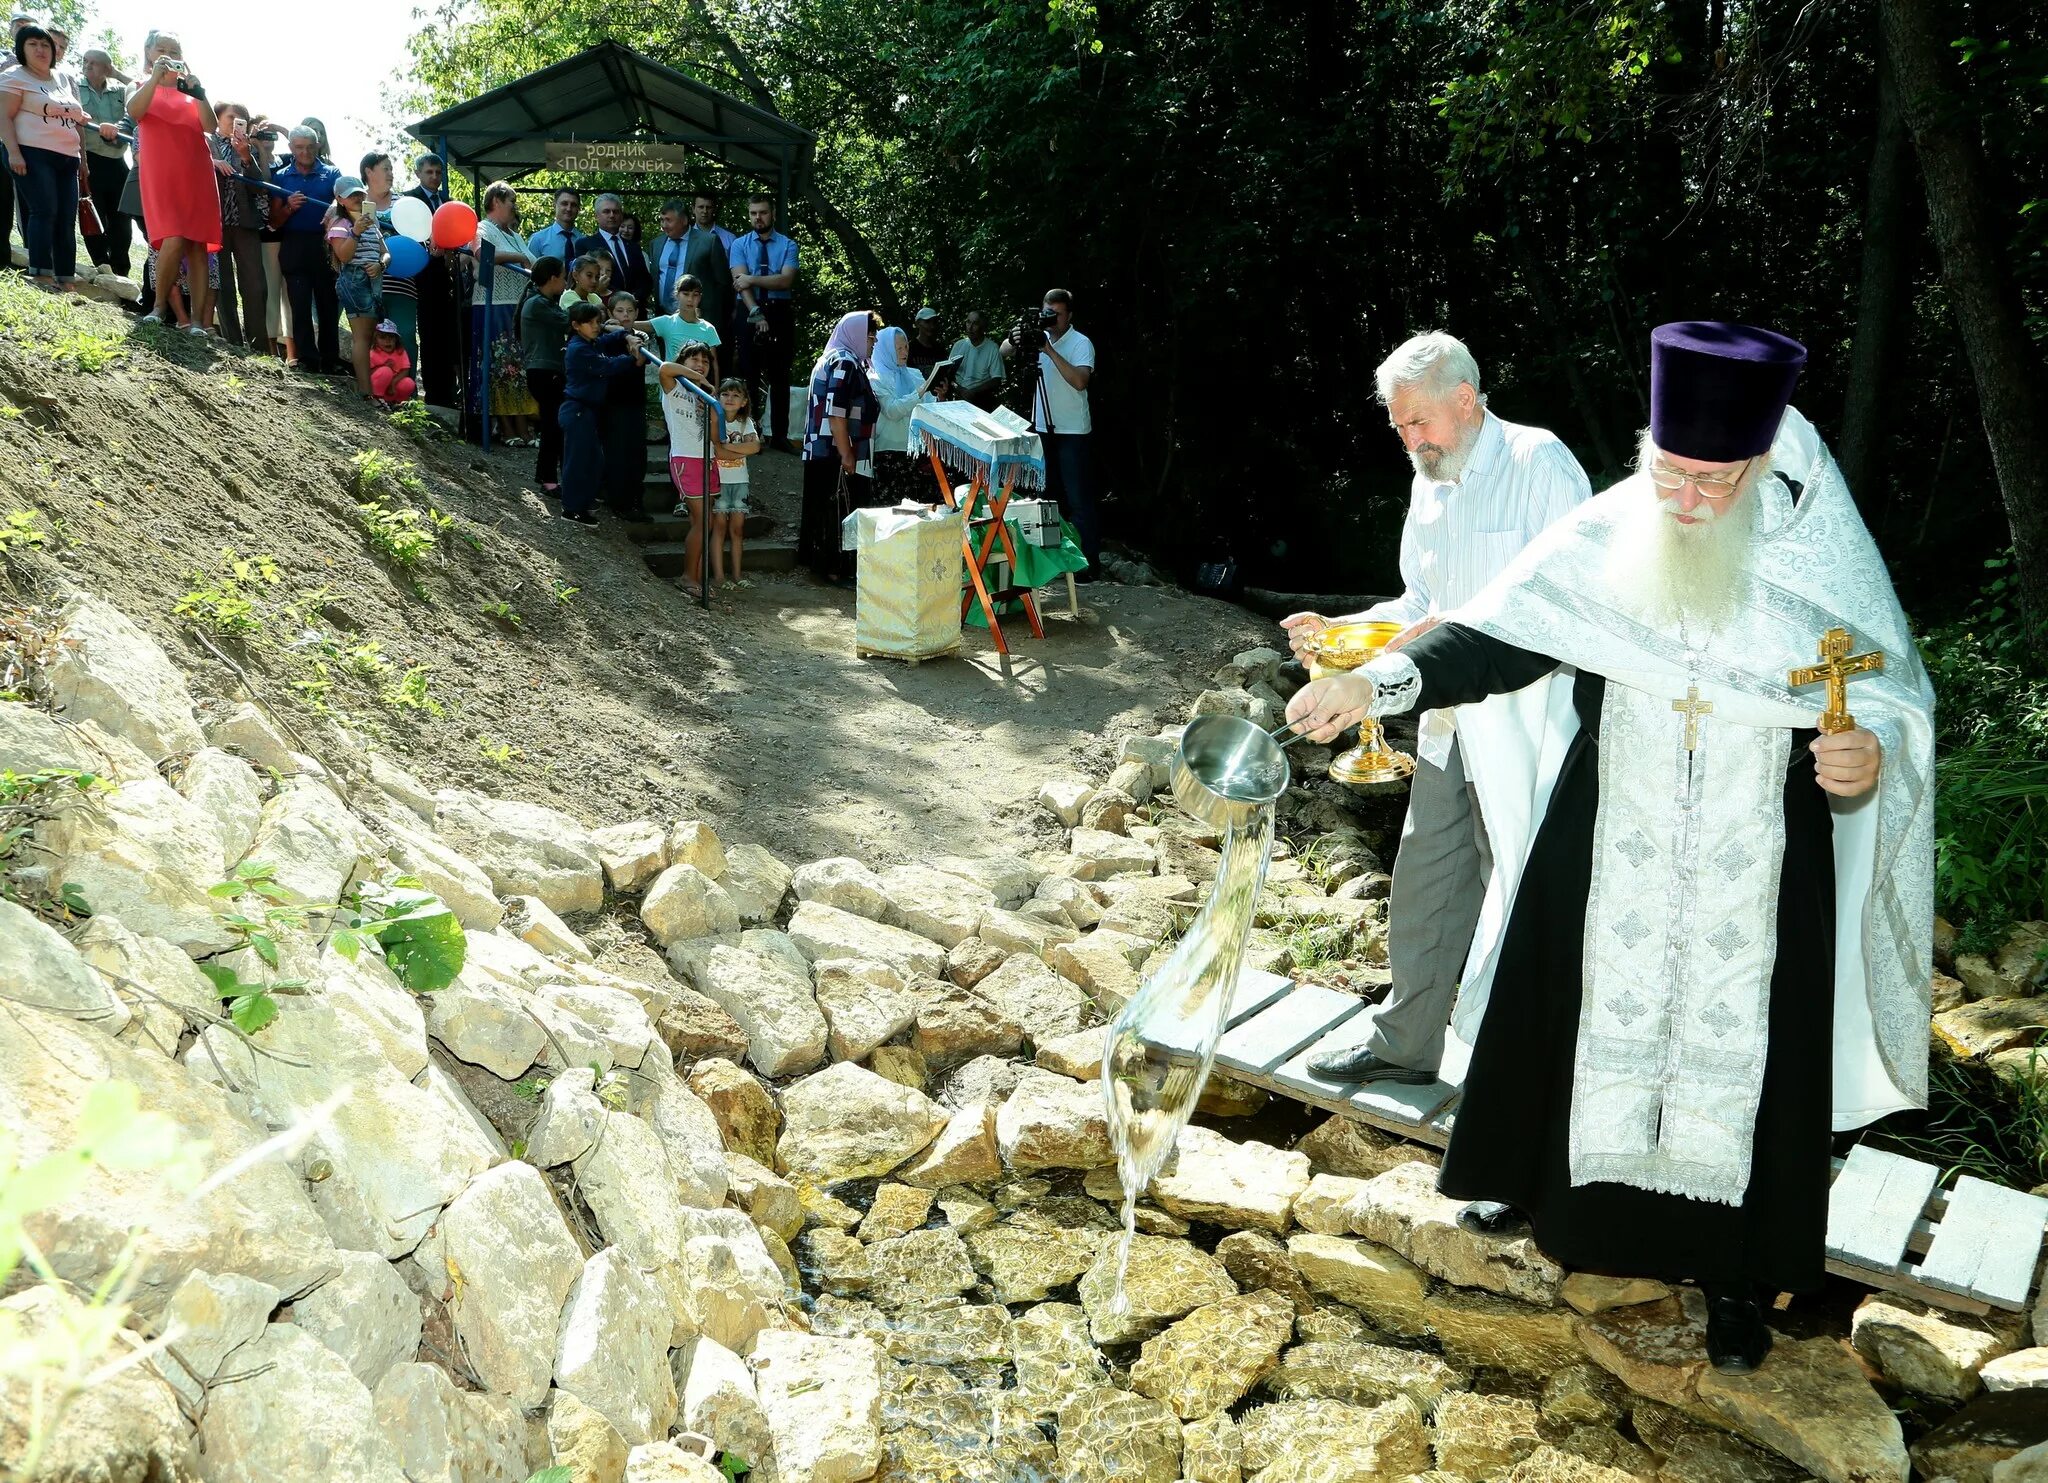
x=564 y=593
x=48 y=327
x=1978 y=1123
x=385 y=491
x=25 y=799
x=232 y=599
x=21 y=530
x=260 y=908
x=424 y=945
x=1318 y=944
x=249 y=1005
x=314 y=686
x=1991 y=767
x=416 y=422
x=409 y=692
x=398 y=534
x=498 y=754
x=503 y=611
x=556 y=1474
x=366 y=660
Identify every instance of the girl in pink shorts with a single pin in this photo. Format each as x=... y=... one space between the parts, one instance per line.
x=690 y=407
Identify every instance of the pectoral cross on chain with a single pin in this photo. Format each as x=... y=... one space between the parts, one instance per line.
x=1692 y=708
x=1837 y=665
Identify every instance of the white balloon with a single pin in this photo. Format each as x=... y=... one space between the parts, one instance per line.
x=412 y=217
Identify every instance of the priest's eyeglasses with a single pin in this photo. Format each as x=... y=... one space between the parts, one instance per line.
x=1710 y=486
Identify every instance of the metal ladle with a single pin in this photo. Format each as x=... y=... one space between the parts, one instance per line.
x=1228 y=770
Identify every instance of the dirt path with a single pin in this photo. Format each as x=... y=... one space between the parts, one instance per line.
x=617 y=700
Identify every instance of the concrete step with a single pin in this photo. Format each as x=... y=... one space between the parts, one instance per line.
x=663 y=527
x=774 y=554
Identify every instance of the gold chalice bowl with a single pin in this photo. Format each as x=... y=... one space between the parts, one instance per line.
x=1345 y=646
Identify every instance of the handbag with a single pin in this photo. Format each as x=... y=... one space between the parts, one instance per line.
x=89 y=223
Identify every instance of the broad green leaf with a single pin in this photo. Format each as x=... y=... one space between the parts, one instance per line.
x=252 y=1012
x=226 y=982
x=266 y=947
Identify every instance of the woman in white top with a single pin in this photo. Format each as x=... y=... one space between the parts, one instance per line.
x=898 y=388
x=494 y=357
x=39 y=118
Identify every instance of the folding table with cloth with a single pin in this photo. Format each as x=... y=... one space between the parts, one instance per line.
x=997 y=452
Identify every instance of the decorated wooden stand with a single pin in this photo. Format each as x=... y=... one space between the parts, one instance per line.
x=996 y=451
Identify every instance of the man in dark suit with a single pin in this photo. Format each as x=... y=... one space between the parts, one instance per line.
x=629 y=265
x=438 y=285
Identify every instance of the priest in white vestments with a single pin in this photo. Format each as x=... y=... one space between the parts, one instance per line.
x=1713 y=939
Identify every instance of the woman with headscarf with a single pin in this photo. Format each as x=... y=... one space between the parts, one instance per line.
x=839 y=425
x=898 y=388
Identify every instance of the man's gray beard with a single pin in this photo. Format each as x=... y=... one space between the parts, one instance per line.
x=1670 y=574
x=1449 y=468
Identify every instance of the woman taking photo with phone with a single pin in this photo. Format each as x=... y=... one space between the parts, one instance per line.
x=180 y=203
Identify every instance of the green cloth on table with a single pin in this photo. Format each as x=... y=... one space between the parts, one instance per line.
x=1036 y=566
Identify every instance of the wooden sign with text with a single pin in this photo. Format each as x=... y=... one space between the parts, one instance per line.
x=619 y=156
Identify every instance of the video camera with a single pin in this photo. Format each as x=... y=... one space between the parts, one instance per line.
x=1029 y=333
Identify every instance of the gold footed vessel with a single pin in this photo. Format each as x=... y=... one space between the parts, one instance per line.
x=1345 y=646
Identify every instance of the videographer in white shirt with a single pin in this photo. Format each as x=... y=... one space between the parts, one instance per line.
x=1059 y=411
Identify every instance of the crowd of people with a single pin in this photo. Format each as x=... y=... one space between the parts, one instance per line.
x=252 y=233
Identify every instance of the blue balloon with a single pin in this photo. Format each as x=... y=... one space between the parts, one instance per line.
x=407 y=257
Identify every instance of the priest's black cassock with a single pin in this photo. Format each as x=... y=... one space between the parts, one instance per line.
x=1510 y=1138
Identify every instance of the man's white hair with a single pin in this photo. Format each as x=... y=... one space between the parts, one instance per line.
x=611 y=196
x=1436 y=362
x=301 y=131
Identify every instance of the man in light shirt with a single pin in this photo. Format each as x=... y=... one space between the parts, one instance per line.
x=558 y=238
x=980 y=377
x=1484 y=488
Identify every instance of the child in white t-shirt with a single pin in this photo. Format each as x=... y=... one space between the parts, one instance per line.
x=729 y=512
x=691 y=423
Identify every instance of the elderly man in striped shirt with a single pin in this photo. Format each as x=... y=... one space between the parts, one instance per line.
x=1484 y=488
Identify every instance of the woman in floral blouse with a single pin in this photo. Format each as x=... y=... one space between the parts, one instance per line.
x=839 y=425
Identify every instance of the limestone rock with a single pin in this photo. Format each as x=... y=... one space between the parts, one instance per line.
x=1027 y=1262
x=526 y=850
x=2030 y=1466
x=632 y=853
x=1031 y=995
x=1927 y=1350
x=1075 y=902
x=1588 y=1293
x=1078 y=1055
x=32 y=740
x=224 y=789
x=932 y=903
x=312 y=843
x=182 y=995
x=1482 y=1329
x=1656 y=1349
x=248 y=732
x=692 y=842
x=126 y=1427
x=259 y=1225
x=503 y=1261
x=955 y=1025
x=719 y=1402
x=1133 y=778
x=1382 y=1284
x=366 y=1314
x=631 y=1186
x=141 y=853
x=1156 y=752
x=963 y=1153
x=1583 y=1395
x=1810 y=1403
x=1166 y=1279
x=732 y=1287
x=823 y=1401
x=1009 y=878
x=1064 y=799
x=1328 y=1439
x=1014 y=932
x=211 y=1314
x=1333 y=1323
x=458 y=880
x=972 y=960
x=109 y=671
x=1240 y=1186
x=748 y=1121
x=1146 y=917
x=299 y=1414
x=1212 y=1451
x=35 y=957
x=395 y=1152
x=1401 y=1209
x=757 y=882
x=1992 y=1025
x=1103 y=963
x=1215 y=1355
x=612 y=1350
x=1985 y=1435
x=864 y=1005
x=902 y=1064
x=1258 y=1262
x=1109 y=811
x=898 y=1209
x=922 y=1269
x=694 y=1027
x=1049 y=1122
x=1055 y=1361
x=446 y=1435
x=541 y=929
x=487 y=1021
x=845 y=1122
x=1362 y=1374
x=1482 y=1436
x=684 y=904
x=665 y=1462
x=1098 y=854
x=2026 y=1369
x=1112 y=1434
x=773 y=1004
x=844 y=884
x=824 y=931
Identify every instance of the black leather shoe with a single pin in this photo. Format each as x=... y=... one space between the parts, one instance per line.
x=1737 y=1339
x=1491 y=1218
x=1356 y=1063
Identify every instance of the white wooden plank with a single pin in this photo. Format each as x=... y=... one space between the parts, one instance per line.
x=1256 y=989
x=1402 y=1103
x=1293 y=1075
x=1278 y=1031
x=1987 y=1244
x=1871 y=1208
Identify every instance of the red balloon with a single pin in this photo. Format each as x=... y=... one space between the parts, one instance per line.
x=454 y=225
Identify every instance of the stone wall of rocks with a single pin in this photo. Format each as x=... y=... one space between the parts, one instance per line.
x=833 y=1194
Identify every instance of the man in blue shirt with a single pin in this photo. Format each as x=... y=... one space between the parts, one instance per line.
x=302 y=254
x=764 y=318
x=693 y=245
x=558 y=237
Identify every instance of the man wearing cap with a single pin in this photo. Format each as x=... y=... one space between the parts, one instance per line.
x=1712 y=920
x=926 y=349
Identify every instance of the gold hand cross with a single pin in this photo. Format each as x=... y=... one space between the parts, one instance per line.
x=1837 y=666
x=1692 y=708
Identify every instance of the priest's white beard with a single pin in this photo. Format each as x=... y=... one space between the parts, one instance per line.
x=1446 y=465
x=1674 y=575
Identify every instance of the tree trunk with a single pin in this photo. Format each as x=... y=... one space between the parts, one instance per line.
x=2003 y=361
x=863 y=257
x=1536 y=278
x=1887 y=237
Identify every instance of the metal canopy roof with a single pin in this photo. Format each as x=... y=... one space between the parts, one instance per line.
x=613 y=92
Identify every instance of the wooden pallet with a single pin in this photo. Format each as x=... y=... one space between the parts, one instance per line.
x=1974 y=1249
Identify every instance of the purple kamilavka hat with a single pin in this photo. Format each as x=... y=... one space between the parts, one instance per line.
x=1718 y=391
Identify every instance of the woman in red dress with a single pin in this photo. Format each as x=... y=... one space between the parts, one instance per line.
x=180 y=202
